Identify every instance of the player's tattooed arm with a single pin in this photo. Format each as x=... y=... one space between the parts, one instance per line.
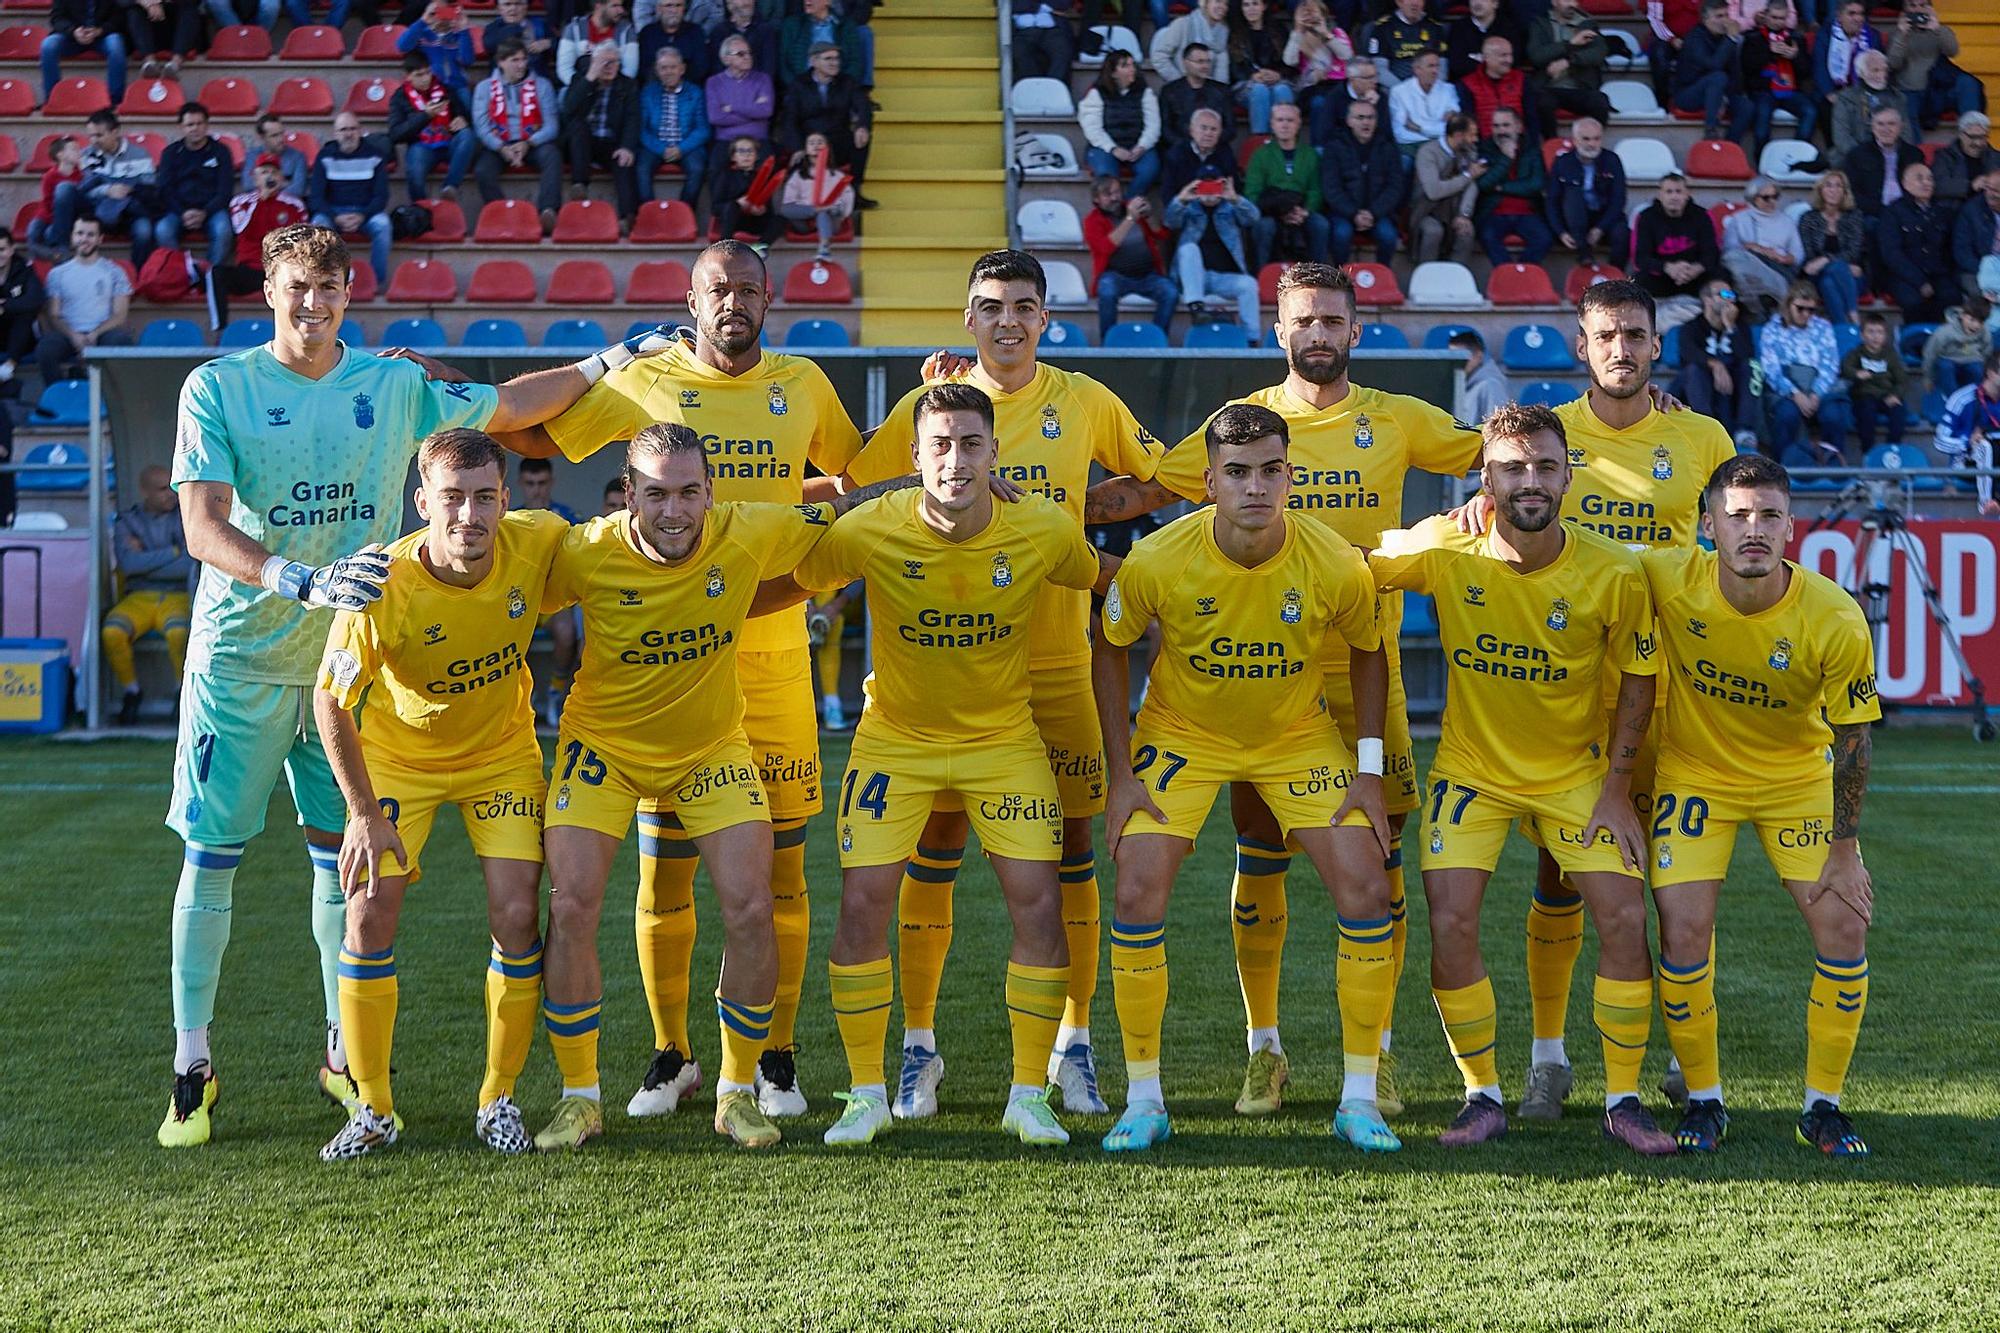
x=212 y=539
x=1107 y=570
x=1844 y=876
x=1117 y=499
x=1613 y=812
x=861 y=495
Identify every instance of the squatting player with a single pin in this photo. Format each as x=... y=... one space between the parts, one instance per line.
x=1532 y=615
x=289 y=461
x=1246 y=599
x=1056 y=424
x=1770 y=683
x=438 y=671
x=762 y=416
x=1351 y=449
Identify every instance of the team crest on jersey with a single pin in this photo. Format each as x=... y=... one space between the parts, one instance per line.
x=1003 y=573
x=690 y=397
x=777 y=404
x=847 y=837
x=562 y=797
x=1051 y=422
x=913 y=569
x=517 y=603
x=277 y=416
x=1663 y=463
x=1204 y=606
x=194 y=810
x=1294 y=608
x=1665 y=860
x=1437 y=840
x=628 y=597
x=1559 y=614
x=1475 y=595
x=364 y=411
x=1576 y=458
x=714 y=586
x=1364 y=432
x=434 y=633
x=1114 y=605
x=343 y=668
x=1781 y=655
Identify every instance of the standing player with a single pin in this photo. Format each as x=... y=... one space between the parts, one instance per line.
x=762 y=416
x=1965 y=431
x=290 y=463
x=1769 y=667
x=1351 y=449
x=1056 y=424
x=1532 y=615
x=438 y=671
x=1245 y=598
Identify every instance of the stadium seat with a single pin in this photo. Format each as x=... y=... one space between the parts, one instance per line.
x=1066 y=286
x=1520 y=284
x=1588 y=275
x=1444 y=283
x=1629 y=97
x=1042 y=98
x=1610 y=9
x=1375 y=284
x=1931 y=409
x=365 y=287
x=239 y=334
x=1065 y=335
x=1135 y=334
x=1247 y=145
x=425 y=280
x=1846 y=337
x=1897 y=456
x=639 y=328
x=1229 y=336
x=501 y=282
x=447 y=221
x=1716 y=160
x=172 y=333
x=1049 y=222
x=230 y=97
x=74 y=479
x=573 y=333
x=152 y=99
x=63 y=403
x=414 y=332
x=1910 y=342
x=1111 y=37
x=306 y=142
x=1043 y=155
x=1553 y=148
x=1780 y=160
x=22 y=41
x=41 y=160
x=1547 y=393
x=1670 y=351
x=1267 y=282
x=305 y=98
x=1624 y=52
x=244 y=42
x=1646 y=160
x=235 y=147
x=379 y=43
x=154 y=143
x=10 y=154
x=818 y=282
x=664 y=222
x=586 y=222
x=1419 y=615
x=817 y=333
x=1536 y=347
x=1384 y=338
x=40 y=520
x=77 y=97
x=370 y=96
x=662 y=282
x=508 y=222
x=17 y=97
x=494 y=333
x=1438 y=336
x=582 y=282
x=317 y=42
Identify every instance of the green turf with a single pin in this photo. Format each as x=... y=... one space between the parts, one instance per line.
x=1233 y=1224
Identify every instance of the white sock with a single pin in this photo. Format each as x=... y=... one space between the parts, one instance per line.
x=1673 y=1064
x=1140 y=1091
x=1386 y=1035
x=1815 y=1095
x=877 y=1092
x=1016 y=1091
x=1548 y=1051
x=589 y=1094
x=190 y=1048
x=1713 y=1094
x=1067 y=1036
x=1265 y=1039
x=336 y=1048
x=723 y=1087
x=1612 y=1099
x=329 y=926
x=1489 y=1090
x=1358 y=1088
x=923 y=1037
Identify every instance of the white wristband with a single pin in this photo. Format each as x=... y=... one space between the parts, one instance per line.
x=268 y=576
x=1368 y=755
x=592 y=368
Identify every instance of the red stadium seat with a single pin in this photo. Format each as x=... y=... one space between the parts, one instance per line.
x=842 y=233
x=1716 y=160
x=318 y=42
x=10 y=154
x=1610 y=9
x=1552 y=149
x=426 y=280
x=235 y=147
x=447 y=221
x=1520 y=284
x=370 y=96
x=1719 y=213
x=1585 y=275
x=582 y=282
x=17 y=97
x=508 y=222
x=243 y=42
x=153 y=142
x=44 y=158
x=152 y=99
x=664 y=222
x=584 y=222
x=1930 y=150
x=662 y=282
x=231 y=98
x=818 y=282
x=307 y=98
x=24 y=215
x=75 y=98
x=1374 y=284
x=364 y=288
x=306 y=142
x=1250 y=144
x=379 y=43
x=22 y=41
x=501 y=282
x=1267 y=282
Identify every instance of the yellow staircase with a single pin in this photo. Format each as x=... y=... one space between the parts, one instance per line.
x=1978 y=29
x=937 y=165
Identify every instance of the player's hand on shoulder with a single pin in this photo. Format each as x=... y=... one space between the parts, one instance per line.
x=1664 y=401
x=369 y=838
x=1474 y=516
x=1364 y=793
x=1005 y=490
x=433 y=368
x=944 y=364
x=1126 y=797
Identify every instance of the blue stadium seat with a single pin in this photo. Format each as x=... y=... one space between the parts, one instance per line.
x=643 y=326
x=173 y=333
x=64 y=403
x=1439 y=336
x=72 y=480
x=1910 y=342
x=1065 y=335
x=1271 y=338
x=241 y=333
x=1899 y=457
x=417 y=332
x=817 y=333
x=1383 y=338
x=1536 y=347
x=1670 y=350
x=494 y=333
x=354 y=333
x=575 y=333
x=1135 y=333
x=1846 y=337
x=1233 y=337
x=1932 y=406
x=1419 y=615
x=1547 y=393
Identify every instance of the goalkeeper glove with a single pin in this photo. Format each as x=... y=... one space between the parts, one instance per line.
x=619 y=355
x=348 y=584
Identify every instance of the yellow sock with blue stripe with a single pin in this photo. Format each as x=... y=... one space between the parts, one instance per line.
x=1399 y=929
x=1035 y=999
x=791 y=917
x=746 y=1030
x=861 y=996
x=368 y=1020
x=513 y=994
x=1139 y=993
x=1555 y=942
x=1080 y=909
x=1687 y=1001
x=1834 y=1009
x=664 y=924
x=1364 y=981
x=1624 y=1014
x=1471 y=1019
x=923 y=934
x=573 y=1038
x=1257 y=928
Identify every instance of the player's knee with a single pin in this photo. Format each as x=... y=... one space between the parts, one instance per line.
x=1621 y=928
x=1842 y=936
x=371 y=923
x=514 y=922
x=746 y=910
x=1454 y=923
x=572 y=913
x=1684 y=937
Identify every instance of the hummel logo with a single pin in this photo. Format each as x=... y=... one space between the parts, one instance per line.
x=1474 y=596
x=1204 y=606
x=628 y=597
x=913 y=569
x=434 y=634
x=1698 y=628
x=277 y=416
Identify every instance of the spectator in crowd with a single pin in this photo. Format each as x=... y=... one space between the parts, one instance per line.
x=292 y=164
x=66 y=176
x=1761 y=246
x=1329 y=110
x=1203 y=152
x=813 y=26
x=1128 y=254
x=1587 y=198
x=742 y=195
x=672 y=124
x=1510 y=194
x=601 y=127
x=514 y=113
x=1211 y=253
x=1320 y=50
x=79 y=26
x=88 y=299
x=1966 y=431
x=1486 y=384
x=1674 y=253
x=444 y=38
x=614 y=498
x=1283 y=182
x=21 y=301
x=1833 y=240
x=1120 y=117
x=1207 y=24
x=117 y=187
x=1855 y=107
x=740 y=20
x=1395 y=40
x=816 y=193
x=1875 y=168
x=1775 y=72
x=1846 y=35
x=829 y=102
x=530 y=30
x=1042 y=45
x=1446 y=192
x=739 y=96
x=1420 y=104
x=170 y=26
x=1920 y=52
x=432 y=123
x=1568 y=52
x=1878 y=384
x=1958 y=346
x=1494 y=83
x=1194 y=91
x=1715 y=377
x=350 y=188
x=676 y=28
x=603 y=25
x=1975 y=238
x=1914 y=239
x=1365 y=180
x=253 y=215
x=230 y=13
x=1670 y=22
x=1958 y=166
x=1466 y=38
x=151 y=555
x=1801 y=364
x=1257 y=56
x=1708 y=75
x=193 y=179
x=703 y=14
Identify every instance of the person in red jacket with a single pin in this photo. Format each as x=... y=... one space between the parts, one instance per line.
x=1495 y=83
x=253 y=215
x=1671 y=21
x=1127 y=254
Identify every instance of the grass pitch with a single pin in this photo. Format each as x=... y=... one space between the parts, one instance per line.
x=1235 y=1223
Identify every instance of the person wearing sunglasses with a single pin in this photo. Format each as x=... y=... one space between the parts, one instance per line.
x=1761 y=246
x=1715 y=363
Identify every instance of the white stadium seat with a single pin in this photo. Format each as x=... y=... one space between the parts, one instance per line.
x=1629 y=97
x=1116 y=38
x=1646 y=160
x=1044 y=155
x=1049 y=222
x=1780 y=160
x=1625 y=53
x=1444 y=284
x=1065 y=283
x=1042 y=97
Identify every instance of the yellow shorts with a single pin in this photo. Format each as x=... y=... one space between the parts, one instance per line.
x=1399 y=764
x=147 y=611
x=501 y=803
x=781 y=722
x=1694 y=828
x=1303 y=777
x=892 y=784
x=716 y=789
x=1642 y=773
x=1466 y=823
x=1066 y=716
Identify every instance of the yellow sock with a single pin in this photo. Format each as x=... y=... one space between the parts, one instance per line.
x=924 y=934
x=115 y=637
x=1624 y=1013
x=1080 y=923
x=665 y=926
x=513 y=994
x=746 y=1031
x=1470 y=1020
x=1555 y=942
x=1139 y=992
x=573 y=1038
x=1834 y=1008
x=176 y=635
x=1399 y=925
x=861 y=995
x=791 y=915
x=1364 y=981
x=1258 y=927
x=368 y=1022
x=1687 y=1000
x=1035 y=997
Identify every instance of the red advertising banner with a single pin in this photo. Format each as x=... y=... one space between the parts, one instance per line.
x=1913 y=664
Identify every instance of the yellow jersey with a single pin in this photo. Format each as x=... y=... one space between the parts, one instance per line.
x=1525 y=653
x=948 y=622
x=1641 y=486
x=760 y=429
x=1049 y=433
x=441 y=673
x=1240 y=648
x=657 y=683
x=1752 y=700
